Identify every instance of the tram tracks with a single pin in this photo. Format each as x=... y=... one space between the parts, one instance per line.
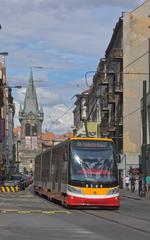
x=118 y=217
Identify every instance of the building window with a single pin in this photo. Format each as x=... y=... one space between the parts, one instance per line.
x=34 y=130
x=27 y=129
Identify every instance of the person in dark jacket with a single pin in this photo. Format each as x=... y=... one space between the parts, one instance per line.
x=132 y=181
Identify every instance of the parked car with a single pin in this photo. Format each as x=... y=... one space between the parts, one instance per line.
x=19 y=181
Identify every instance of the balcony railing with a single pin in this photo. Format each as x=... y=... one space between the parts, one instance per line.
x=105 y=81
x=111 y=97
x=104 y=104
x=118 y=88
x=104 y=126
x=104 y=107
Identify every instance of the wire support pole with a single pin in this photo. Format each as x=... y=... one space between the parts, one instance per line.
x=144 y=140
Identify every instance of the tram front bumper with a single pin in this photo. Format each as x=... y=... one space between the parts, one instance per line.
x=98 y=201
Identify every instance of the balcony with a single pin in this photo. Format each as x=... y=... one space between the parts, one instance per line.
x=104 y=105
x=111 y=97
x=117 y=53
x=104 y=127
x=105 y=81
x=118 y=88
x=104 y=131
x=112 y=124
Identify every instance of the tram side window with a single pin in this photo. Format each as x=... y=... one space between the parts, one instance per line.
x=56 y=167
x=47 y=164
x=65 y=164
x=43 y=169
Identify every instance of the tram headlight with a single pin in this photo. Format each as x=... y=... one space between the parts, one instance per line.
x=113 y=191
x=75 y=190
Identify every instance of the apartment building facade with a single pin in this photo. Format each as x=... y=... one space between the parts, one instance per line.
x=7 y=111
x=117 y=84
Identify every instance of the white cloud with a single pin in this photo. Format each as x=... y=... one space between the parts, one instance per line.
x=29 y=6
x=58 y=118
x=48 y=97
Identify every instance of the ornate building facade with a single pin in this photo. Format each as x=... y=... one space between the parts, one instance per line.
x=31 y=118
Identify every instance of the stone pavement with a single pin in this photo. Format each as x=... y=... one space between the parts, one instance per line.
x=133 y=195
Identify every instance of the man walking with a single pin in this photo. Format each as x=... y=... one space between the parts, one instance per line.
x=132 y=181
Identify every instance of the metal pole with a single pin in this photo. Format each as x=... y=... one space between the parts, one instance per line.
x=86 y=129
x=117 y=130
x=17 y=158
x=144 y=126
x=149 y=61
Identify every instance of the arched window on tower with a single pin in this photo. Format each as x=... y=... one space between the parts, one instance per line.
x=27 y=129
x=34 y=130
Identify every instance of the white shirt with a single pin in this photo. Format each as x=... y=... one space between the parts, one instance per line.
x=127 y=179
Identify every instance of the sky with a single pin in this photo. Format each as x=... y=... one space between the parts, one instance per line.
x=61 y=40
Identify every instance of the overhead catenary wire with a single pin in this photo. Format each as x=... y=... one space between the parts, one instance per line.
x=132 y=73
x=56 y=120
x=62 y=115
x=128 y=65
x=135 y=60
x=136 y=110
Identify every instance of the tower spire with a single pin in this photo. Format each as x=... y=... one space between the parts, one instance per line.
x=31 y=76
x=31 y=103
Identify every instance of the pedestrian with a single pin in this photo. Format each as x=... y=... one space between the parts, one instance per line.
x=132 y=181
x=127 y=181
x=148 y=185
x=141 y=190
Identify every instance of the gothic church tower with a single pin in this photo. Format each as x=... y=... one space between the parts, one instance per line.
x=31 y=118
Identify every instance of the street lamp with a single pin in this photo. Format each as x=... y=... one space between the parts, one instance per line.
x=17 y=155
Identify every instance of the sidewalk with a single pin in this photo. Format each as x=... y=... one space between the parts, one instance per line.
x=133 y=195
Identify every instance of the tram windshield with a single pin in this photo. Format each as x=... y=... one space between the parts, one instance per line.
x=92 y=161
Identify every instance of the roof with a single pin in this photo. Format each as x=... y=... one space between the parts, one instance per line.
x=17 y=133
x=47 y=136
x=31 y=103
x=115 y=31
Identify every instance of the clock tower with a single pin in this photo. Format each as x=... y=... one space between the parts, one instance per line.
x=31 y=118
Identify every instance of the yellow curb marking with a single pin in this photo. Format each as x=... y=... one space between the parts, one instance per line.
x=24 y=212
x=32 y=211
x=48 y=212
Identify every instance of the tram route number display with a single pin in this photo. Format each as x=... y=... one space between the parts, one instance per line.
x=92 y=144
